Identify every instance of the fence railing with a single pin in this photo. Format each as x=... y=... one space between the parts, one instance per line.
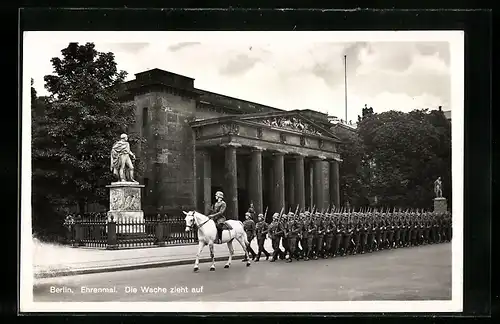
x=98 y=231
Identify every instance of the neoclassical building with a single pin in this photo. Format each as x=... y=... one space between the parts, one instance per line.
x=199 y=142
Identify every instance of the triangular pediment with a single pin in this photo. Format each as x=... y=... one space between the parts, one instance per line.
x=289 y=120
x=293 y=121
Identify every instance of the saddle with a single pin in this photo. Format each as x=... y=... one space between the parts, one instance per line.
x=226 y=226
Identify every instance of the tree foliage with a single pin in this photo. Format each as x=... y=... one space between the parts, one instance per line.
x=396 y=157
x=81 y=119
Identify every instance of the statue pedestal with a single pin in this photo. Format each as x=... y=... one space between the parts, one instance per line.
x=125 y=207
x=440 y=205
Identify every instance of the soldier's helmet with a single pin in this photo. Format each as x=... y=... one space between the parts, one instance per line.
x=219 y=194
x=261 y=217
x=248 y=215
x=275 y=216
x=123 y=136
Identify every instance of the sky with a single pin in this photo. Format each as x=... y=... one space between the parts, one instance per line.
x=286 y=74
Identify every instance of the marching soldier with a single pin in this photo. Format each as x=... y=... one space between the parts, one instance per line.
x=329 y=236
x=249 y=227
x=293 y=231
x=427 y=229
x=389 y=228
x=364 y=234
x=308 y=236
x=357 y=230
x=434 y=228
x=421 y=228
x=409 y=230
x=414 y=229
x=449 y=228
x=300 y=238
x=318 y=237
x=338 y=235
x=261 y=229
x=284 y=234
x=320 y=248
x=383 y=231
x=397 y=231
x=348 y=230
x=275 y=235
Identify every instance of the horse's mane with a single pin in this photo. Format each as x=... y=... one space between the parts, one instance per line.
x=196 y=212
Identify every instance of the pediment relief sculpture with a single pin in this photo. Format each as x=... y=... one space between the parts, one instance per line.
x=230 y=129
x=291 y=123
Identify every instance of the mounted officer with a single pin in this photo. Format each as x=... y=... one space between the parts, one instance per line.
x=219 y=214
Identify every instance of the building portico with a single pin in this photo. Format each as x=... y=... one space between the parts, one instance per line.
x=273 y=153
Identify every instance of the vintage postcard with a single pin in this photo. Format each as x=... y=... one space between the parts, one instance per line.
x=317 y=172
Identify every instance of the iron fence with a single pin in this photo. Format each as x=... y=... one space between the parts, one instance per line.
x=97 y=230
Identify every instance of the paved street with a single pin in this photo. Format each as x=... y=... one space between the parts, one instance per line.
x=418 y=273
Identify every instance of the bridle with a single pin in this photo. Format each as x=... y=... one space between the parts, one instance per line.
x=190 y=226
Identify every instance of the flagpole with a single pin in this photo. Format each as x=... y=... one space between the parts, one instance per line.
x=345 y=85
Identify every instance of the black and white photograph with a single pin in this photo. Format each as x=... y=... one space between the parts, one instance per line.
x=297 y=171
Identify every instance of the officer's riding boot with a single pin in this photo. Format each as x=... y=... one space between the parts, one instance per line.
x=219 y=234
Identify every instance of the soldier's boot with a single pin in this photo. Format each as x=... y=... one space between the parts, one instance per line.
x=308 y=253
x=275 y=256
x=267 y=254
x=219 y=235
x=290 y=258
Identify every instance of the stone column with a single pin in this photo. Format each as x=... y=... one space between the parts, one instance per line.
x=255 y=180
x=300 y=190
x=231 y=177
x=207 y=182
x=334 y=183
x=308 y=183
x=279 y=181
x=318 y=184
x=290 y=185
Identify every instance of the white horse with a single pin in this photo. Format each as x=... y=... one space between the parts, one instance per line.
x=207 y=232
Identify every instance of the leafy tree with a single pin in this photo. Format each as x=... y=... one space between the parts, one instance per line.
x=82 y=118
x=406 y=152
x=365 y=113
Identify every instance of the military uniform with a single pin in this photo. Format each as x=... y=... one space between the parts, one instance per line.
x=329 y=236
x=219 y=214
x=261 y=230
x=308 y=235
x=249 y=227
x=293 y=231
x=275 y=235
x=357 y=230
x=319 y=237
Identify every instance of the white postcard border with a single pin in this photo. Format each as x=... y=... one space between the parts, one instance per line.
x=456 y=40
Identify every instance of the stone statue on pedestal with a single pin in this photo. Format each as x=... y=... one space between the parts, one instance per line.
x=120 y=160
x=438 y=188
x=440 y=204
